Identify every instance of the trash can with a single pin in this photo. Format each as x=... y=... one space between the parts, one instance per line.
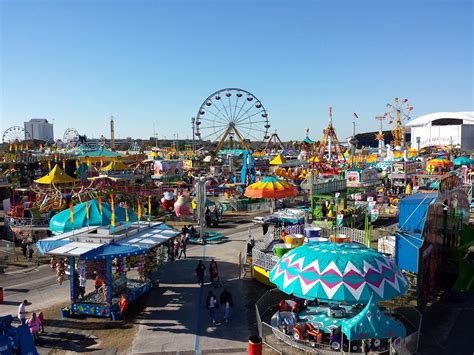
x=255 y=345
x=1 y=295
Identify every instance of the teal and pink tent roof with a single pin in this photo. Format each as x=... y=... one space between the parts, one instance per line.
x=347 y=272
x=372 y=323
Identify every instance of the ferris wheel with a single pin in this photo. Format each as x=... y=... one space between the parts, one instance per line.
x=232 y=113
x=15 y=134
x=70 y=137
x=398 y=111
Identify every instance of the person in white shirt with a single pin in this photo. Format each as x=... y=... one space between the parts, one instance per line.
x=212 y=304
x=22 y=312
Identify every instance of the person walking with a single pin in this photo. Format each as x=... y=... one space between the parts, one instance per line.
x=200 y=270
x=265 y=228
x=213 y=272
x=34 y=324
x=123 y=305
x=176 y=249
x=22 y=312
x=226 y=302
x=211 y=303
x=182 y=247
x=41 y=318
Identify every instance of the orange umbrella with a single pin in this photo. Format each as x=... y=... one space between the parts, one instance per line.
x=440 y=163
x=271 y=187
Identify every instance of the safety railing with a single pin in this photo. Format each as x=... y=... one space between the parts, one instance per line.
x=264 y=260
x=16 y=222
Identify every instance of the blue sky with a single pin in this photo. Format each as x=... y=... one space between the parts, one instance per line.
x=76 y=62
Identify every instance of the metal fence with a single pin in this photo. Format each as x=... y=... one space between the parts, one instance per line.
x=7 y=253
x=15 y=222
x=264 y=260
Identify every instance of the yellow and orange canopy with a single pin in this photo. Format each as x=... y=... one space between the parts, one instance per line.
x=55 y=176
x=270 y=187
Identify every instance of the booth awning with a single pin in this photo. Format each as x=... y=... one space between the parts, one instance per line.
x=136 y=244
x=407 y=246
x=140 y=241
x=413 y=211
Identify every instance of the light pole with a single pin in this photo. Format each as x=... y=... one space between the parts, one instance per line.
x=193 y=121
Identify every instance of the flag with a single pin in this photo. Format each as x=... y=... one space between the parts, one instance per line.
x=71 y=212
x=112 y=209
x=26 y=146
x=10 y=148
x=126 y=212
x=87 y=211
x=149 y=206
x=16 y=148
x=139 y=209
x=100 y=204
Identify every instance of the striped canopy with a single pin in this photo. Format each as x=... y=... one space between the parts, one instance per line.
x=270 y=187
x=346 y=272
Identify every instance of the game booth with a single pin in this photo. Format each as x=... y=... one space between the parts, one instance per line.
x=431 y=226
x=107 y=256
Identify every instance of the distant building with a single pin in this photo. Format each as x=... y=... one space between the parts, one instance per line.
x=443 y=128
x=40 y=128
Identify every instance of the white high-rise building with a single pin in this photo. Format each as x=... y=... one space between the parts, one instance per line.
x=40 y=128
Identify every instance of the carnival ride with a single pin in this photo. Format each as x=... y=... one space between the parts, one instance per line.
x=230 y=113
x=274 y=143
x=15 y=134
x=398 y=111
x=330 y=144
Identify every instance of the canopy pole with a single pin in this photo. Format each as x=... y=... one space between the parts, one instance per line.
x=72 y=276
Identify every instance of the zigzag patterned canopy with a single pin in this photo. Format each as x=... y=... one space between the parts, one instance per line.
x=347 y=272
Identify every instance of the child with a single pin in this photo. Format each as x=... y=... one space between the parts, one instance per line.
x=41 y=318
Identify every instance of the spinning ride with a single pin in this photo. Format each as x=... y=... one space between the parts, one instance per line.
x=398 y=111
x=230 y=113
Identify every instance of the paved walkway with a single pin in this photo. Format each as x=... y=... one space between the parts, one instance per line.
x=176 y=319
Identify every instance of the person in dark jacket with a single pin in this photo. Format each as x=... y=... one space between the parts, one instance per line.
x=226 y=302
x=200 y=269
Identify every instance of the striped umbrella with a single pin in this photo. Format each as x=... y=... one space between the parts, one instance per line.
x=346 y=272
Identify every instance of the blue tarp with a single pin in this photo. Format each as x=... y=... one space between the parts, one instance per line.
x=407 y=246
x=413 y=211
